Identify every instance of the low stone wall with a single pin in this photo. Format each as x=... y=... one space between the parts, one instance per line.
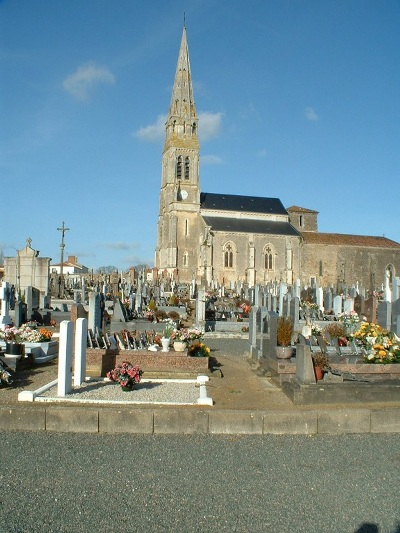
x=99 y=362
x=282 y=370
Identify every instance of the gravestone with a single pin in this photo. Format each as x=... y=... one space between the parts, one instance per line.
x=348 y=305
x=359 y=305
x=395 y=288
x=269 y=327
x=253 y=331
x=304 y=365
x=94 y=318
x=200 y=306
x=5 y=318
x=370 y=307
x=32 y=300
x=282 y=292
x=384 y=314
x=20 y=314
x=320 y=297
x=297 y=289
x=78 y=311
x=295 y=312
x=337 y=305
x=119 y=314
x=395 y=325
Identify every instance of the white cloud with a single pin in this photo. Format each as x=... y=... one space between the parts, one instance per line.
x=85 y=78
x=210 y=160
x=310 y=114
x=209 y=126
x=153 y=132
x=118 y=245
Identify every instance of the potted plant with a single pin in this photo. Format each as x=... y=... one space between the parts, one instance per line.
x=199 y=349
x=13 y=338
x=127 y=375
x=284 y=334
x=166 y=337
x=321 y=364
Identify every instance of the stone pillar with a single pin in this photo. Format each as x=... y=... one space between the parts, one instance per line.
x=81 y=329
x=65 y=358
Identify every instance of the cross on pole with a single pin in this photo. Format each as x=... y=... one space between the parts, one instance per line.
x=63 y=229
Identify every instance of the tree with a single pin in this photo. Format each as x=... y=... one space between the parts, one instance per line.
x=107 y=269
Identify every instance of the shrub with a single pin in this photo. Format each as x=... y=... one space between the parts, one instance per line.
x=284 y=331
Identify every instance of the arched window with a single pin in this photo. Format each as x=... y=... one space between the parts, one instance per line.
x=179 y=167
x=187 y=168
x=186 y=227
x=268 y=258
x=228 y=255
x=185 y=261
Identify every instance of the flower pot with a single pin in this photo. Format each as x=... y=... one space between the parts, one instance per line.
x=127 y=388
x=283 y=352
x=14 y=348
x=165 y=344
x=319 y=373
x=179 y=346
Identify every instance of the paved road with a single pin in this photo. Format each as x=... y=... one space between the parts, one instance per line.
x=107 y=483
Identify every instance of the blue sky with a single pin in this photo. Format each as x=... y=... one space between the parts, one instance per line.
x=296 y=99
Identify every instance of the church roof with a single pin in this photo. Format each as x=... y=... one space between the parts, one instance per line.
x=246 y=225
x=311 y=237
x=298 y=209
x=246 y=204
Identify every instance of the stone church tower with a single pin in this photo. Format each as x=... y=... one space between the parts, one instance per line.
x=177 y=248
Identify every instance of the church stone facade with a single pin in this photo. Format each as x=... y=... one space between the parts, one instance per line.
x=230 y=239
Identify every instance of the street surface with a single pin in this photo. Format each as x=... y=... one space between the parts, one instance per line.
x=120 y=483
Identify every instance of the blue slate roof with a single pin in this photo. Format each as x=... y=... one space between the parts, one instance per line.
x=247 y=204
x=245 y=225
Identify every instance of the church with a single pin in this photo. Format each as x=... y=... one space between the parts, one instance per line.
x=230 y=240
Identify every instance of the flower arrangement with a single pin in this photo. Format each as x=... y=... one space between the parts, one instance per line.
x=308 y=305
x=149 y=315
x=199 y=349
x=349 y=319
x=187 y=334
x=25 y=333
x=381 y=346
x=167 y=331
x=245 y=306
x=316 y=330
x=127 y=375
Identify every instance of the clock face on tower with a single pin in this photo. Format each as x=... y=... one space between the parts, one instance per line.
x=184 y=194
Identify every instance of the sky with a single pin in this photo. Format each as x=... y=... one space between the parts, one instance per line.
x=297 y=100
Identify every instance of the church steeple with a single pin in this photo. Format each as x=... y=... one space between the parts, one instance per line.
x=182 y=120
x=177 y=251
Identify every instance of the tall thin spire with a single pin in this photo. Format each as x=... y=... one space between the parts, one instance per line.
x=182 y=119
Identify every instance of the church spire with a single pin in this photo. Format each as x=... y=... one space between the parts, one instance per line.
x=182 y=120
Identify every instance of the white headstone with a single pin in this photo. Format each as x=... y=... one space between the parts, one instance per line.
x=348 y=305
x=337 y=305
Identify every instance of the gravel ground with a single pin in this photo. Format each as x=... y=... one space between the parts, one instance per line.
x=80 y=483
x=160 y=392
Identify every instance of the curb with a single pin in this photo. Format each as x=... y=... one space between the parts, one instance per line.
x=186 y=421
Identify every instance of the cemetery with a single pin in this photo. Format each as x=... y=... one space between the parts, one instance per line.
x=353 y=335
